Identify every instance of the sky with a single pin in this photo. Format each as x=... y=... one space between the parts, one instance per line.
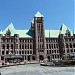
x=21 y=13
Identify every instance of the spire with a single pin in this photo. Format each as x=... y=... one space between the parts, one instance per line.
x=38 y=14
x=49 y=33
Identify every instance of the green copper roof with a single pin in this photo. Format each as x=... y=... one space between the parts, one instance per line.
x=11 y=28
x=64 y=28
x=25 y=33
x=38 y=14
x=51 y=33
x=22 y=33
x=30 y=33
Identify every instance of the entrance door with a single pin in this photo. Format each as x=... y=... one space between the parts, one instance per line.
x=41 y=57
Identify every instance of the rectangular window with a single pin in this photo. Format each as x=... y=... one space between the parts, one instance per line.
x=2 y=57
x=22 y=46
x=11 y=46
x=30 y=46
x=54 y=51
x=20 y=41
x=7 y=46
x=2 y=52
x=22 y=52
x=50 y=51
x=47 y=51
x=47 y=46
x=7 y=52
x=3 y=46
x=3 y=40
x=54 y=46
x=25 y=46
x=19 y=52
x=28 y=52
x=74 y=45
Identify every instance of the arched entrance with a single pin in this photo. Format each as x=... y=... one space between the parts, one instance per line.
x=41 y=57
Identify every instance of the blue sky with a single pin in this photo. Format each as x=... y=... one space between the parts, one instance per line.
x=21 y=13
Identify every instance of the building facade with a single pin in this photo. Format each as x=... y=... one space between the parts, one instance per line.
x=37 y=44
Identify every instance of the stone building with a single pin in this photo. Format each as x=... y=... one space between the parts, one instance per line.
x=37 y=44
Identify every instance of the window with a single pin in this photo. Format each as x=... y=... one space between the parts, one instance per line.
x=53 y=56
x=2 y=57
x=54 y=51
x=70 y=45
x=20 y=46
x=57 y=51
x=47 y=46
x=7 y=52
x=7 y=46
x=30 y=52
x=66 y=45
x=74 y=45
x=50 y=51
x=47 y=51
x=11 y=40
x=3 y=46
x=68 y=51
x=74 y=50
x=7 y=40
x=25 y=40
x=11 y=46
x=2 y=52
x=25 y=46
x=71 y=50
x=54 y=46
x=3 y=40
x=63 y=51
x=22 y=52
x=66 y=40
x=19 y=52
x=20 y=40
x=30 y=46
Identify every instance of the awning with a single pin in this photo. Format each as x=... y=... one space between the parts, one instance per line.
x=73 y=54
x=13 y=57
x=69 y=55
x=66 y=55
